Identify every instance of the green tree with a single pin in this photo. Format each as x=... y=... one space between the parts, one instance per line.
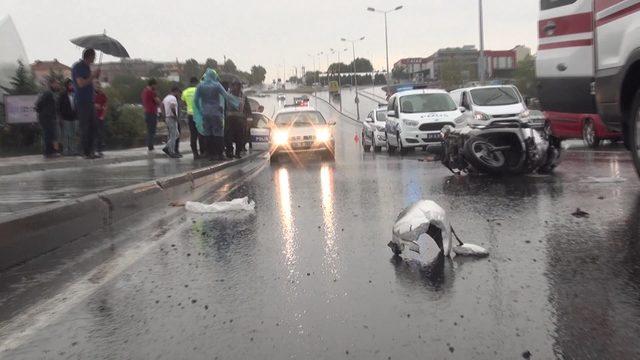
x=22 y=83
x=337 y=68
x=229 y=67
x=362 y=65
x=452 y=73
x=211 y=63
x=400 y=73
x=295 y=80
x=525 y=76
x=190 y=69
x=310 y=77
x=258 y=74
x=129 y=88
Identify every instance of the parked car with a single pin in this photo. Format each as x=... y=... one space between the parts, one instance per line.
x=415 y=118
x=301 y=130
x=260 y=131
x=373 y=130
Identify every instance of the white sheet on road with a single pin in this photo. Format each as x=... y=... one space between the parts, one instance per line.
x=242 y=204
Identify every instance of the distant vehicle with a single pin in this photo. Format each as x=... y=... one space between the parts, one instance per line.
x=301 y=130
x=260 y=131
x=373 y=130
x=415 y=118
x=492 y=103
x=588 y=78
x=282 y=97
x=334 y=88
x=301 y=101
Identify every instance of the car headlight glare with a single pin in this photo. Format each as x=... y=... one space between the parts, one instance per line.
x=410 y=122
x=323 y=135
x=280 y=137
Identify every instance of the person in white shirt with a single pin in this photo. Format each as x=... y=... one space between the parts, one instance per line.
x=171 y=113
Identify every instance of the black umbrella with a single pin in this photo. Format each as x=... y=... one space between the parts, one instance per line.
x=102 y=43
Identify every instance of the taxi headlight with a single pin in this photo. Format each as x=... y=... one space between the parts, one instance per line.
x=323 y=135
x=280 y=137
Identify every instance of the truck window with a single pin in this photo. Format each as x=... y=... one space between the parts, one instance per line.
x=552 y=4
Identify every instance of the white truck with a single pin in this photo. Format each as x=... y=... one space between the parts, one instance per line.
x=588 y=65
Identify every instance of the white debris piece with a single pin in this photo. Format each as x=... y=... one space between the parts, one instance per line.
x=470 y=250
x=416 y=220
x=242 y=204
x=604 y=180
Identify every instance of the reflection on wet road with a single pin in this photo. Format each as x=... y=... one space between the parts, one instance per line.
x=309 y=275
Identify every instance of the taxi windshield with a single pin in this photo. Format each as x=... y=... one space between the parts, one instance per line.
x=300 y=119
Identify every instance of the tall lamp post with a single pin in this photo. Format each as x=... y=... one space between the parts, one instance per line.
x=355 y=72
x=483 y=62
x=386 y=37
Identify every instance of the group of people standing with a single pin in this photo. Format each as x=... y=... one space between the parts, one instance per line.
x=217 y=117
x=74 y=110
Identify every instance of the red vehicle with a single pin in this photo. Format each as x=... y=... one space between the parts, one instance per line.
x=566 y=71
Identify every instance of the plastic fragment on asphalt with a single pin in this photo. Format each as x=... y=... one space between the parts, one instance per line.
x=603 y=180
x=470 y=250
x=242 y=204
x=417 y=220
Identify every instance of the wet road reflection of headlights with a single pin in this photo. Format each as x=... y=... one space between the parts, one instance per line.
x=326 y=184
x=283 y=190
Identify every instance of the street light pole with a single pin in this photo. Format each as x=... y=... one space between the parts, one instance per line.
x=386 y=35
x=482 y=59
x=355 y=72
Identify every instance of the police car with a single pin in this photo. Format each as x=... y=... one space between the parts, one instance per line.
x=373 y=129
x=299 y=130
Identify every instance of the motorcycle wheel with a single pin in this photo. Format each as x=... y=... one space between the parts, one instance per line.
x=479 y=152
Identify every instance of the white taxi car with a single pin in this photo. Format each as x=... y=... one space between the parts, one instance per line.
x=373 y=130
x=301 y=130
x=415 y=119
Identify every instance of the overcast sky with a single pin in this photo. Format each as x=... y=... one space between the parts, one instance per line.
x=271 y=33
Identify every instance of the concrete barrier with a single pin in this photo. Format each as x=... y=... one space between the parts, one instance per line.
x=41 y=230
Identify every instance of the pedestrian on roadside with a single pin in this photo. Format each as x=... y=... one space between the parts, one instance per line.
x=208 y=113
x=195 y=138
x=237 y=120
x=171 y=115
x=46 y=109
x=150 y=102
x=101 y=100
x=67 y=114
x=84 y=100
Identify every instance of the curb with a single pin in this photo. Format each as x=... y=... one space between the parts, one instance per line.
x=336 y=109
x=44 y=229
x=73 y=163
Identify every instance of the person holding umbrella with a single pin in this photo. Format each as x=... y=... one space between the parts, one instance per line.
x=83 y=78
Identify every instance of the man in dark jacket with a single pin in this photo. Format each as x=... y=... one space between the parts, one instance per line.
x=237 y=122
x=46 y=109
x=67 y=113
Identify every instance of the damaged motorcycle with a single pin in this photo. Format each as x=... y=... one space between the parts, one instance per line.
x=490 y=145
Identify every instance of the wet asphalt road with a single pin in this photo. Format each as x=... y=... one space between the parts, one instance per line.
x=309 y=275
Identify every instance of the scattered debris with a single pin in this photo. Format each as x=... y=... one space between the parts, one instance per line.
x=471 y=250
x=603 y=180
x=526 y=354
x=580 y=214
x=242 y=204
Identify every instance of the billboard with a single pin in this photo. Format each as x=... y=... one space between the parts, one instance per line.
x=20 y=109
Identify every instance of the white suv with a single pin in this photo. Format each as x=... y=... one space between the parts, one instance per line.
x=415 y=118
x=488 y=104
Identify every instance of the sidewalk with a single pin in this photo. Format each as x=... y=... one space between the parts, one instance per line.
x=21 y=164
x=61 y=179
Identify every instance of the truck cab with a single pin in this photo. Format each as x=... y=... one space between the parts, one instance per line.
x=588 y=66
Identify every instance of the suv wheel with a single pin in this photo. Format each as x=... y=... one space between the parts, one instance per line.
x=634 y=132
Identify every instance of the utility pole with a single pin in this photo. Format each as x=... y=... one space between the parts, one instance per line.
x=355 y=72
x=482 y=60
x=386 y=36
